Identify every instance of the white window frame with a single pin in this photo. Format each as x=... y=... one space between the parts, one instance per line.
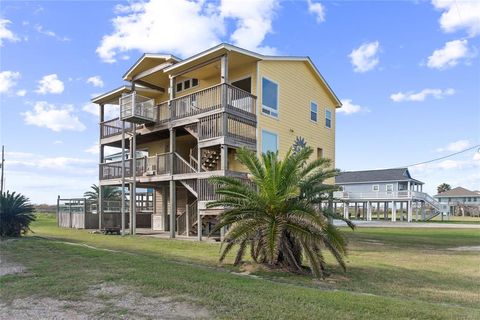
x=183 y=84
x=269 y=109
x=389 y=185
x=328 y=110
x=270 y=132
x=316 y=112
x=377 y=187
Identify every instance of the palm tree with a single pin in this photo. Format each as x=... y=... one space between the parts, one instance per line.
x=16 y=214
x=278 y=214
x=443 y=187
x=108 y=193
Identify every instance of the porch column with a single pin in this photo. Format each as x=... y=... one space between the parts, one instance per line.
x=345 y=210
x=173 y=208
x=173 y=191
x=394 y=211
x=199 y=226
x=422 y=209
x=165 y=208
x=409 y=211
x=187 y=220
x=100 y=195
x=401 y=210
x=369 y=211
x=224 y=158
x=224 y=69
x=356 y=211
x=385 y=210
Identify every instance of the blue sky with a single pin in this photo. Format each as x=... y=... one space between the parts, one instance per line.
x=408 y=74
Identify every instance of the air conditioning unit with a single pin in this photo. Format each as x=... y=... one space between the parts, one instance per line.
x=149 y=173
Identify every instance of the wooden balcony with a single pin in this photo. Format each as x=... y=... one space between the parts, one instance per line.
x=146 y=166
x=137 y=109
x=204 y=106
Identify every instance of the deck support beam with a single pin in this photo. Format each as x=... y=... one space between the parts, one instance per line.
x=345 y=210
x=394 y=211
x=173 y=191
x=369 y=211
x=409 y=211
x=199 y=226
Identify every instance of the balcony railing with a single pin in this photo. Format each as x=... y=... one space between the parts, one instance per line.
x=113 y=127
x=159 y=164
x=137 y=108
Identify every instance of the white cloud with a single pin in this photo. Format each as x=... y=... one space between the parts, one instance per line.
x=317 y=9
x=450 y=55
x=5 y=33
x=186 y=27
x=44 y=162
x=95 y=149
x=50 y=84
x=456 y=146
x=365 y=57
x=8 y=79
x=349 y=108
x=182 y=27
x=21 y=93
x=57 y=142
x=459 y=15
x=95 y=81
x=49 y=116
x=49 y=33
x=253 y=22
x=110 y=111
x=422 y=95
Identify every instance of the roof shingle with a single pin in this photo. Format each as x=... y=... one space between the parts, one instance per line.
x=397 y=174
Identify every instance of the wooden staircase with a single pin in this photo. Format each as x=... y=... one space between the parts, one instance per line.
x=192 y=129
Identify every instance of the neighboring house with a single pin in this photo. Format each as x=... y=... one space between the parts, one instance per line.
x=190 y=117
x=460 y=201
x=391 y=190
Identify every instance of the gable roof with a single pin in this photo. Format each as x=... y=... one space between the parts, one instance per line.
x=225 y=47
x=458 y=192
x=382 y=175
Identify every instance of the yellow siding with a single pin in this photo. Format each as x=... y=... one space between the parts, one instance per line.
x=298 y=86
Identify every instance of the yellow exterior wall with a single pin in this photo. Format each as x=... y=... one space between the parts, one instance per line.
x=298 y=86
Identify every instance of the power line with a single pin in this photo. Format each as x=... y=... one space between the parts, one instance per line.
x=444 y=157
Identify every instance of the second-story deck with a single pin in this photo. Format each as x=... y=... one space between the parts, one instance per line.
x=205 y=108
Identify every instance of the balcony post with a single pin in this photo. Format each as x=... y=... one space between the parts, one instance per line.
x=345 y=210
x=171 y=96
x=224 y=69
x=224 y=157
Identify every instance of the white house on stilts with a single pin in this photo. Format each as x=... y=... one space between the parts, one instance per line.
x=387 y=194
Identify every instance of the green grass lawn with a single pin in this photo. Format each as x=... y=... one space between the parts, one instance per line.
x=392 y=273
x=457 y=219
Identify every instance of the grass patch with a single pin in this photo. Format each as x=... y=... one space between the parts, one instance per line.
x=392 y=273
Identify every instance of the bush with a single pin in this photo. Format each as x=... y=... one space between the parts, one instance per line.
x=16 y=214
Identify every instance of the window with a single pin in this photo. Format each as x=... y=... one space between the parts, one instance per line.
x=313 y=111
x=269 y=97
x=187 y=84
x=319 y=153
x=269 y=141
x=389 y=187
x=375 y=187
x=328 y=118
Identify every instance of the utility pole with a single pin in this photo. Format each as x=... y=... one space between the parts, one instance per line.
x=3 y=168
